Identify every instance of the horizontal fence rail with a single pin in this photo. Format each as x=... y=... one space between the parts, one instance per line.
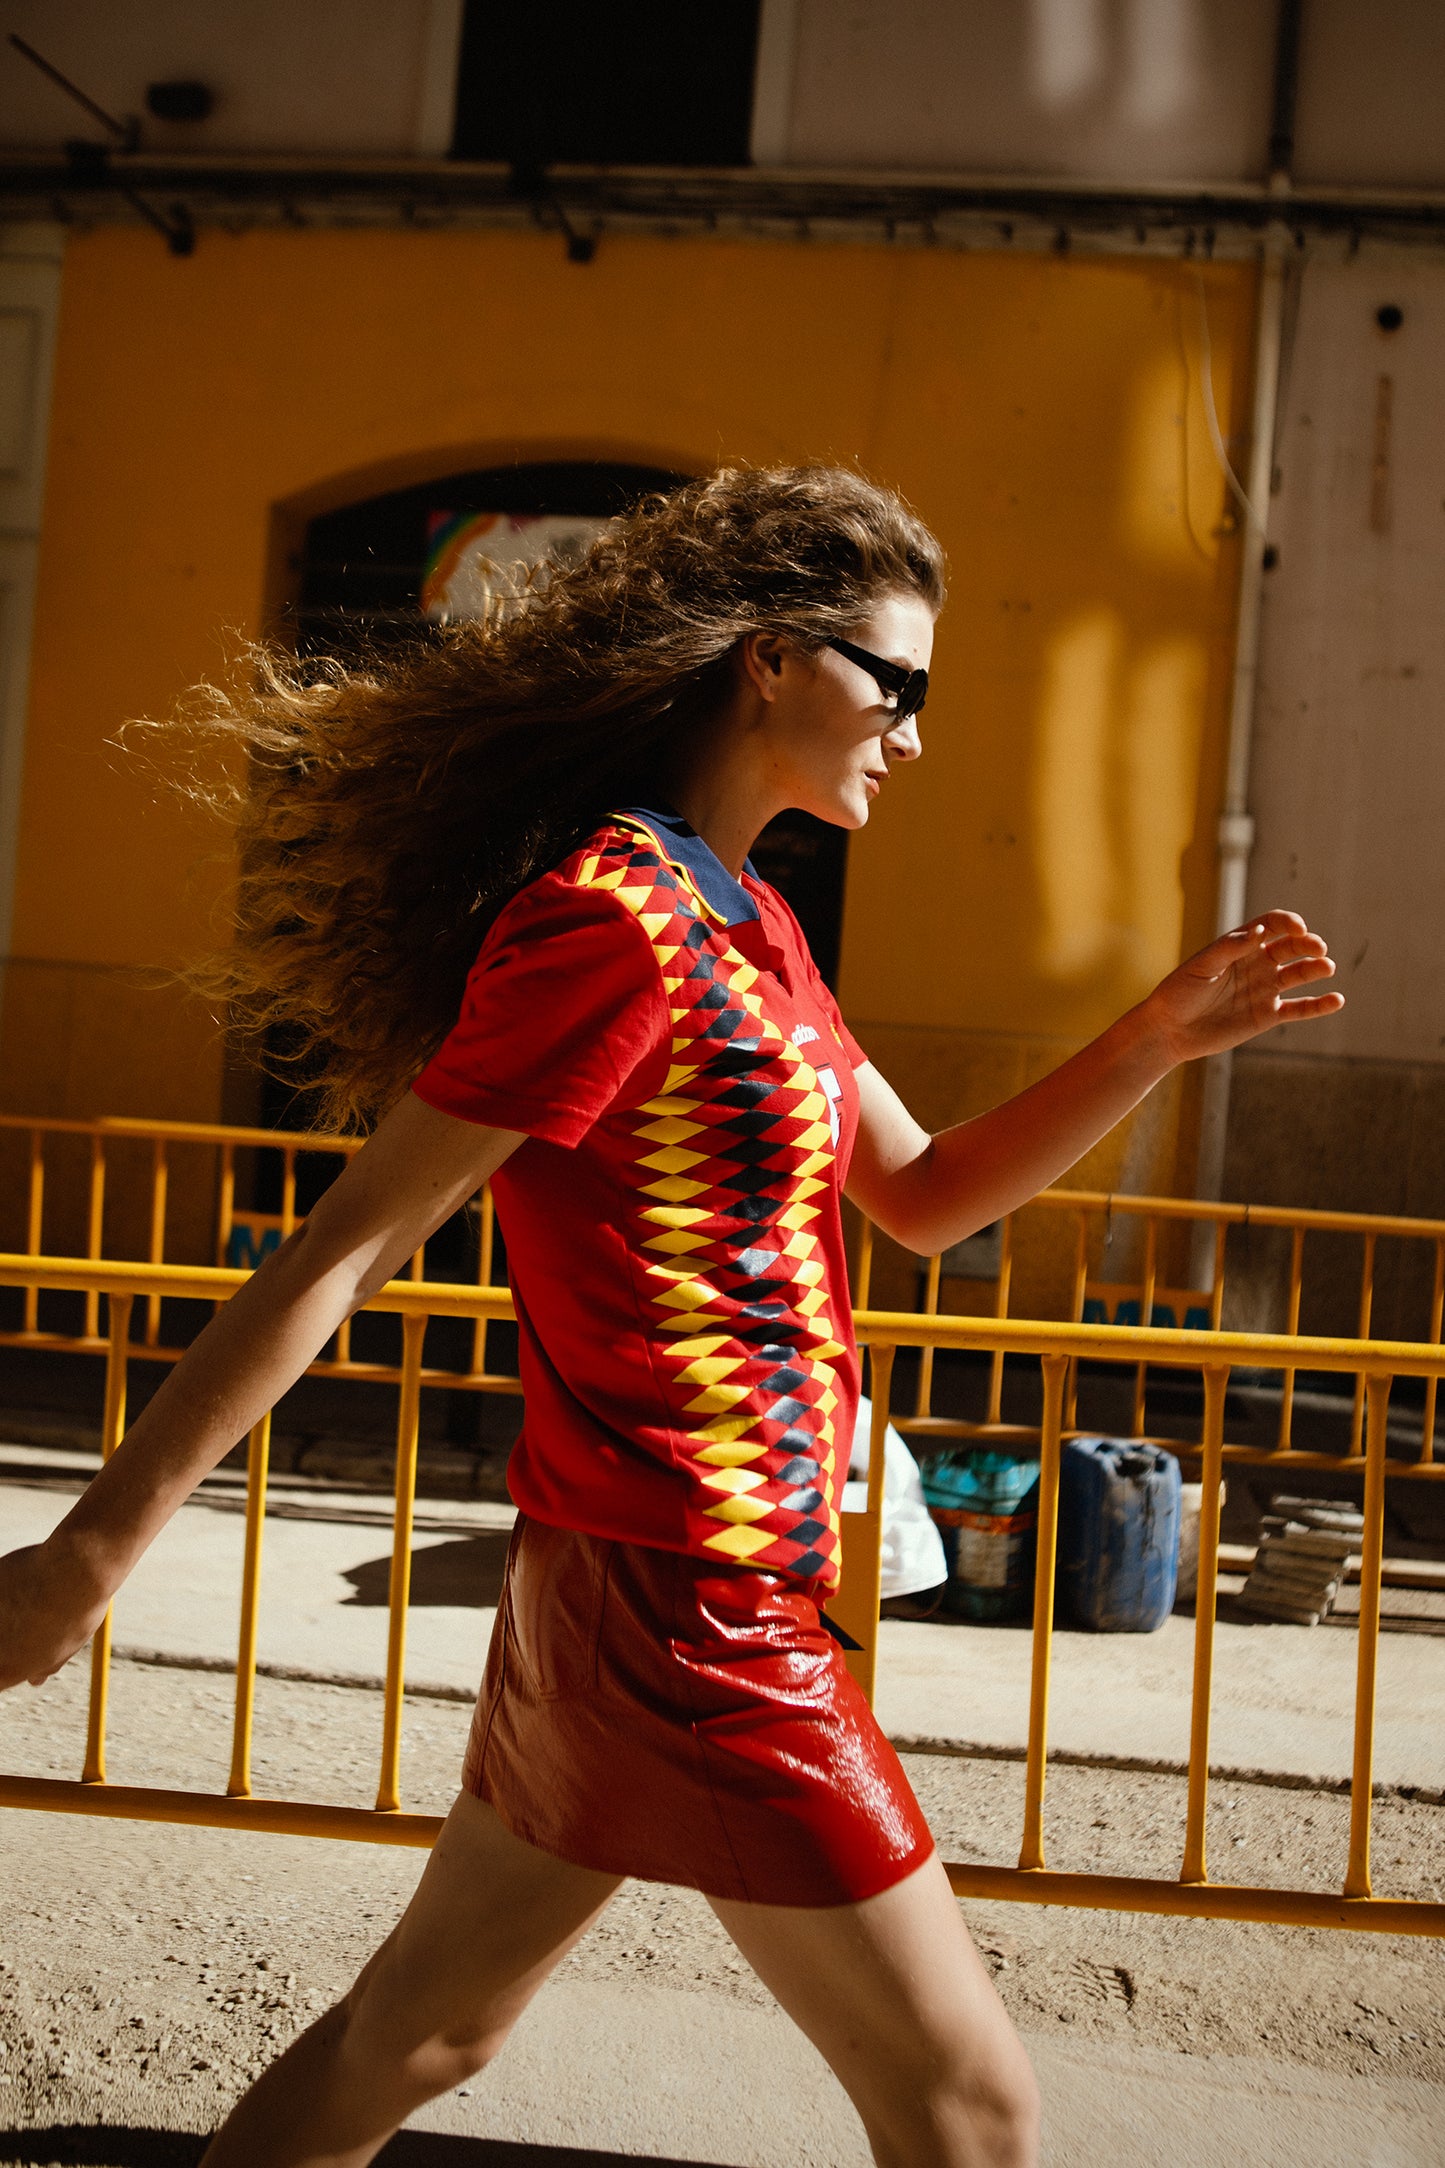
x=1057 y=1347
x=218 y=1171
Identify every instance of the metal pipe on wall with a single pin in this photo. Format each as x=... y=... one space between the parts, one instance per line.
x=1236 y=822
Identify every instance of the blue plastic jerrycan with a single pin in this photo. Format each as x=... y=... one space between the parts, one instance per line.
x=1118 y=1534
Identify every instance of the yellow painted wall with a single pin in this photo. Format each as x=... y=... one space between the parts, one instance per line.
x=1031 y=878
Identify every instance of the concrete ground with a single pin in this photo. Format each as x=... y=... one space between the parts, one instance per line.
x=148 y=1972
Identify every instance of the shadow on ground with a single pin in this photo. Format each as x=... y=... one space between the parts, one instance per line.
x=110 y=2145
x=467 y=1571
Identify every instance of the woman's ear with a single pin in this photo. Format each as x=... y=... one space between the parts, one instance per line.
x=762 y=660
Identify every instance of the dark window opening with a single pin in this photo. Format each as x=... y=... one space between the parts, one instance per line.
x=570 y=82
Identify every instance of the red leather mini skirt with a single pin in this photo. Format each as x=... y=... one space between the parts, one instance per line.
x=655 y=1715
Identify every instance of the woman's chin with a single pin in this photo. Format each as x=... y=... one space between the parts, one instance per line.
x=851 y=808
x=846 y=812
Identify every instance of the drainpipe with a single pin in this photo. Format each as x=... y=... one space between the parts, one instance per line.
x=1236 y=823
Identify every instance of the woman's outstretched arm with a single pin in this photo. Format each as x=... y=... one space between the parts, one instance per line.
x=419 y=1168
x=927 y=1192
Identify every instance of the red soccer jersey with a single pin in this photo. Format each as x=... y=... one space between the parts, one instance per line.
x=684 y=1079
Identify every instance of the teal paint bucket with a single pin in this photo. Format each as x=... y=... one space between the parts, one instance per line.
x=986 y=1507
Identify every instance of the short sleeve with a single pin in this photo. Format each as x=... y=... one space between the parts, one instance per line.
x=563 y=1014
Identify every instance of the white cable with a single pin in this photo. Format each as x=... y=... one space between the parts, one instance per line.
x=1211 y=413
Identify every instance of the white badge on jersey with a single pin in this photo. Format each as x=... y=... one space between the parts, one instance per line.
x=833 y=1091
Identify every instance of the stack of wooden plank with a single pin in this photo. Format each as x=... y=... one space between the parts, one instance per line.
x=1304 y=1544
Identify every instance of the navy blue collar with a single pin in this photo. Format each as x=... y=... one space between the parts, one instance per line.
x=731 y=901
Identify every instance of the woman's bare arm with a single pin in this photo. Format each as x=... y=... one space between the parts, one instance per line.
x=418 y=1169
x=929 y=1191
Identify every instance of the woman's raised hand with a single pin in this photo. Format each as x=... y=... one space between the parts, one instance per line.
x=1241 y=985
x=46 y=1614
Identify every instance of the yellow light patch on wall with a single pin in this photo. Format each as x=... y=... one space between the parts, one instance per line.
x=1115 y=797
x=1163 y=724
x=1074 y=797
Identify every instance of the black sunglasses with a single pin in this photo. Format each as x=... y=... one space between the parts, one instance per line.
x=909 y=687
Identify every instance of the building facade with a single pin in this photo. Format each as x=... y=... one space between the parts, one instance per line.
x=1006 y=259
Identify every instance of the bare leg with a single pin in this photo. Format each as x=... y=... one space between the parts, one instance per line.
x=893 y=1994
x=490 y=1918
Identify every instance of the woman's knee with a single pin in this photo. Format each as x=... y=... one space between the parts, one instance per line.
x=963 y=2114
x=1011 y=2111
x=434 y=2050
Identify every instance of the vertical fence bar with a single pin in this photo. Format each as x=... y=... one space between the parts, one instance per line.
x=1146 y=1317
x=1372 y=1546
x=1296 y=1287
x=226 y=1203
x=160 y=1182
x=486 y=1243
x=258 y=1455
x=1076 y=1312
x=1216 y=1385
x=1432 y=1385
x=855 y=1606
x=1000 y=1309
x=1367 y=1301
x=111 y=1433
x=288 y=1192
x=486 y=1237
x=865 y=1264
x=94 y=1227
x=34 y=1223
x=1031 y=1852
x=1216 y=1292
x=923 y=1403
x=413 y=1332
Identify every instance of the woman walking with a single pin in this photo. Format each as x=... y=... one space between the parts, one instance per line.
x=501 y=890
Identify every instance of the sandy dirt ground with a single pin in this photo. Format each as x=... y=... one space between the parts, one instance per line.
x=148 y=1972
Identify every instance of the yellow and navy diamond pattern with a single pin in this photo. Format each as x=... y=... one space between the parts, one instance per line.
x=730 y=1167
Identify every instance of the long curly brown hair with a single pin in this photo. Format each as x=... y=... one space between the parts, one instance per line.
x=388 y=812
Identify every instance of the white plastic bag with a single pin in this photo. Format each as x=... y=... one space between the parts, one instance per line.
x=912 y=1547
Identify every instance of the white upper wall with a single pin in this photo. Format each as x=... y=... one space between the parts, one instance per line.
x=1123 y=90
x=1372 y=93
x=1099 y=89
x=1115 y=90
x=351 y=77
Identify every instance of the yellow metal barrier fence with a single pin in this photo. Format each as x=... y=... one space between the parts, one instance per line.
x=1055 y=1346
x=1094 y=1212
x=1086 y=1218
x=218 y=1146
